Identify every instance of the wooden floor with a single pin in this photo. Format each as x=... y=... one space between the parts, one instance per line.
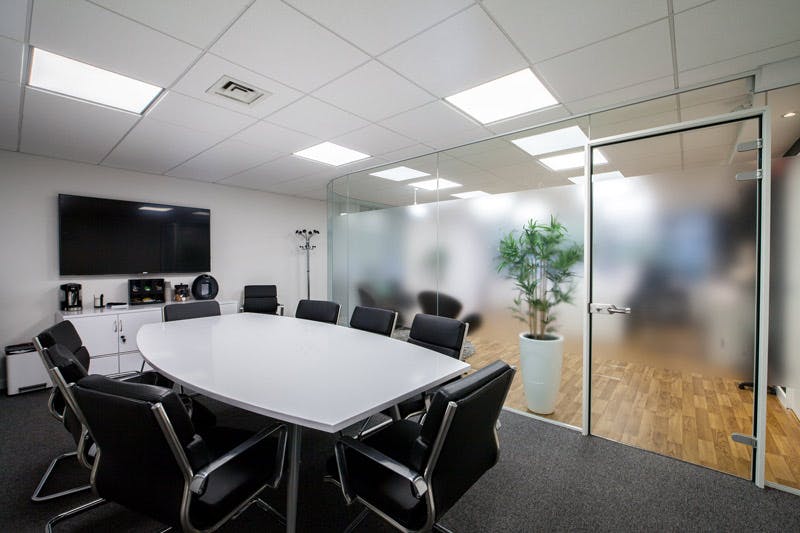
x=685 y=415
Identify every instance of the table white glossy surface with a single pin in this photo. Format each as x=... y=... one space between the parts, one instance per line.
x=308 y=373
x=305 y=373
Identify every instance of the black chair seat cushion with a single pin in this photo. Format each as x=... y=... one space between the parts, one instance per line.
x=451 y=352
x=235 y=481
x=380 y=487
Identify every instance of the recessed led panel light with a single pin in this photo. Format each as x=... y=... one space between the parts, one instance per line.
x=66 y=76
x=504 y=97
x=470 y=194
x=603 y=176
x=154 y=208
x=572 y=160
x=400 y=174
x=432 y=185
x=331 y=154
x=552 y=141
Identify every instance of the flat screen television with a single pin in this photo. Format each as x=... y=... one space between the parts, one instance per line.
x=102 y=236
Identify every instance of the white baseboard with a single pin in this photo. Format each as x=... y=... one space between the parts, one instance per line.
x=781 y=394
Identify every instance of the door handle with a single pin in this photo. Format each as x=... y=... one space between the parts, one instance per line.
x=115 y=326
x=120 y=325
x=608 y=309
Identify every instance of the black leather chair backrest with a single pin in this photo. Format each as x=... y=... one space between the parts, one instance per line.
x=136 y=467
x=470 y=447
x=72 y=371
x=318 y=310
x=260 y=299
x=438 y=333
x=185 y=311
x=65 y=334
x=374 y=320
x=439 y=304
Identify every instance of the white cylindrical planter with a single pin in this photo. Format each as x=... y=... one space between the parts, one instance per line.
x=541 y=371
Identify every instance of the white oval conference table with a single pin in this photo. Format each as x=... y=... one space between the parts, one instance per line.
x=305 y=373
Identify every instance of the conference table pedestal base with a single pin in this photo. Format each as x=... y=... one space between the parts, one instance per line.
x=293 y=483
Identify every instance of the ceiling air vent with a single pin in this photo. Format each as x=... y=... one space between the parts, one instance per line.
x=237 y=90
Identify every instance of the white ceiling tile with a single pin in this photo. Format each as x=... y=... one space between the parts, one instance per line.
x=227 y=158
x=374 y=140
x=429 y=122
x=357 y=21
x=316 y=118
x=408 y=152
x=460 y=53
x=621 y=96
x=276 y=171
x=154 y=146
x=89 y=33
x=9 y=115
x=530 y=120
x=191 y=113
x=197 y=22
x=275 y=40
x=11 y=60
x=635 y=57
x=453 y=140
x=683 y=5
x=374 y=92
x=543 y=30
x=13 y=18
x=723 y=30
x=300 y=185
x=275 y=138
x=737 y=65
x=211 y=68
x=66 y=128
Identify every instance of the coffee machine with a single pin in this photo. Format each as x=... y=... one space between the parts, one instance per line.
x=71 y=297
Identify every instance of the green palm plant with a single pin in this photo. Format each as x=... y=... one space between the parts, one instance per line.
x=540 y=261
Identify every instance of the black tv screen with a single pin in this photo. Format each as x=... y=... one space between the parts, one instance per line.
x=101 y=236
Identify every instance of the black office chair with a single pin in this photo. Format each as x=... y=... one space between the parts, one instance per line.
x=438 y=333
x=374 y=320
x=318 y=310
x=189 y=310
x=61 y=348
x=411 y=474
x=63 y=368
x=261 y=299
x=439 y=304
x=153 y=461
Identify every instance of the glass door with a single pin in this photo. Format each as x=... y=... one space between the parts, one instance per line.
x=674 y=292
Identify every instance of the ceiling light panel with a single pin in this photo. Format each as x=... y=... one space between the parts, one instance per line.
x=66 y=76
x=571 y=160
x=509 y=96
x=331 y=154
x=434 y=184
x=400 y=174
x=552 y=141
x=470 y=194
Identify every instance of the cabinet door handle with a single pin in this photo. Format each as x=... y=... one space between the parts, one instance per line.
x=120 y=325
x=115 y=326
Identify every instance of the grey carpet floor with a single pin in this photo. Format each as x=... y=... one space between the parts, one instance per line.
x=548 y=479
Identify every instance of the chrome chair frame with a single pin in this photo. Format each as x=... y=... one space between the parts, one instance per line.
x=195 y=482
x=58 y=385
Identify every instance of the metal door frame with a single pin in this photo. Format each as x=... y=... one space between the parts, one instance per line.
x=762 y=299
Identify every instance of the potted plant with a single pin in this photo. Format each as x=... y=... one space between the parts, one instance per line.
x=540 y=261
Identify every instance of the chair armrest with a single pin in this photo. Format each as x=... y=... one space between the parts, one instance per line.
x=418 y=484
x=124 y=376
x=200 y=479
x=281 y=308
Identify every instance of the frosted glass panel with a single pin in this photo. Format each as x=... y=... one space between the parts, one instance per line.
x=675 y=241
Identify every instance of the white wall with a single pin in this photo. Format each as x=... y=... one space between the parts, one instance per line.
x=252 y=237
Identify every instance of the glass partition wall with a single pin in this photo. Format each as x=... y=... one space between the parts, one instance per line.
x=423 y=235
